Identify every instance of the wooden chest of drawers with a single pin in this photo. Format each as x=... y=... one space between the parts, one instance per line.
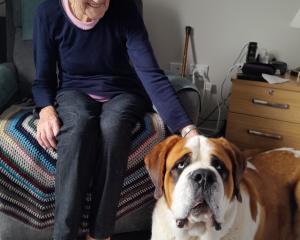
x=264 y=115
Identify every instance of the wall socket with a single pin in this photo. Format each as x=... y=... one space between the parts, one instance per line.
x=202 y=69
x=202 y=75
x=176 y=67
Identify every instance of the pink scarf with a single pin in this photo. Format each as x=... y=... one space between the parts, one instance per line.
x=80 y=24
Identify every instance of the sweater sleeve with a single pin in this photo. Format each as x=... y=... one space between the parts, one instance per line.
x=45 y=83
x=157 y=85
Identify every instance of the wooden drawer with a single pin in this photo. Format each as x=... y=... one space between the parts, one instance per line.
x=265 y=102
x=245 y=130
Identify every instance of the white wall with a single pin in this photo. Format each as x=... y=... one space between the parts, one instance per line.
x=221 y=29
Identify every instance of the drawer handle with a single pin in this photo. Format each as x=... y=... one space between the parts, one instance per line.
x=264 y=134
x=268 y=104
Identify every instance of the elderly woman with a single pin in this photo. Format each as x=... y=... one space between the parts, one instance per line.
x=88 y=111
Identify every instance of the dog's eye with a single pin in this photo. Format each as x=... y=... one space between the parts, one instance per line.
x=220 y=167
x=183 y=162
x=181 y=165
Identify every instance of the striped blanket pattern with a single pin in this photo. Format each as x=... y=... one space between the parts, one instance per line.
x=27 y=171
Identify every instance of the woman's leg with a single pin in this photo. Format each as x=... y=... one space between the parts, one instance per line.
x=77 y=149
x=118 y=118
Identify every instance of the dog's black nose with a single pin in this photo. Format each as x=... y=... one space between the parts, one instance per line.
x=203 y=177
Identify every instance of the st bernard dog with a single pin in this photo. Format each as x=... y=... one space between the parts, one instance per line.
x=207 y=190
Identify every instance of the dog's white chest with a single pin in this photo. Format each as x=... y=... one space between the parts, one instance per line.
x=241 y=225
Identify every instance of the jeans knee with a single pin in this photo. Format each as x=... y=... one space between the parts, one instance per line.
x=78 y=112
x=76 y=125
x=85 y=123
x=116 y=127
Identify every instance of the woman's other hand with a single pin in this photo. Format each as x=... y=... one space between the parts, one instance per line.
x=48 y=127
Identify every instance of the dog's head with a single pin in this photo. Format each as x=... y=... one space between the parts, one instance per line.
x=198 y=177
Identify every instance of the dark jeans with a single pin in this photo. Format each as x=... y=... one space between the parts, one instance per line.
x=93 y=145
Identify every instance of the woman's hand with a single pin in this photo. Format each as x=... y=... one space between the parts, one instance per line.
x=48 y=127
x=192 y=134
x=189 y=131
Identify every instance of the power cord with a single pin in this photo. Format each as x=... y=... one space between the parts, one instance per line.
x=204 y=76
x=233 y=68
x=201 y=76
x=219 y=105
x=206 y=119
x=237 y=64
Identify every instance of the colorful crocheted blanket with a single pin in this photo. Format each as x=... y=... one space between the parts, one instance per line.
x=27 y=171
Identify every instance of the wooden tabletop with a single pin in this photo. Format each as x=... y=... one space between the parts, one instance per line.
x=291 y=85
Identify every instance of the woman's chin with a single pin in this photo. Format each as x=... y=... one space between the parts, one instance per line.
x=94 y=15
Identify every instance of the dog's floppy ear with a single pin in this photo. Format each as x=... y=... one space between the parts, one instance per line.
x=156 y=163
x=238 y=165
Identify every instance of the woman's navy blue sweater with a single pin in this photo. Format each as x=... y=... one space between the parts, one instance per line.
x=112 y=58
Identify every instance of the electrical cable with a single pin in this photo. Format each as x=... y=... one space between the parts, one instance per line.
x=207 y=79
x=203 y=97
x=236 y=65
x=216 y=129
x=237 y=60
x=215 y=120
x=219 y=117
x=213 y=111
x=231 y=69
x=240 y=54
